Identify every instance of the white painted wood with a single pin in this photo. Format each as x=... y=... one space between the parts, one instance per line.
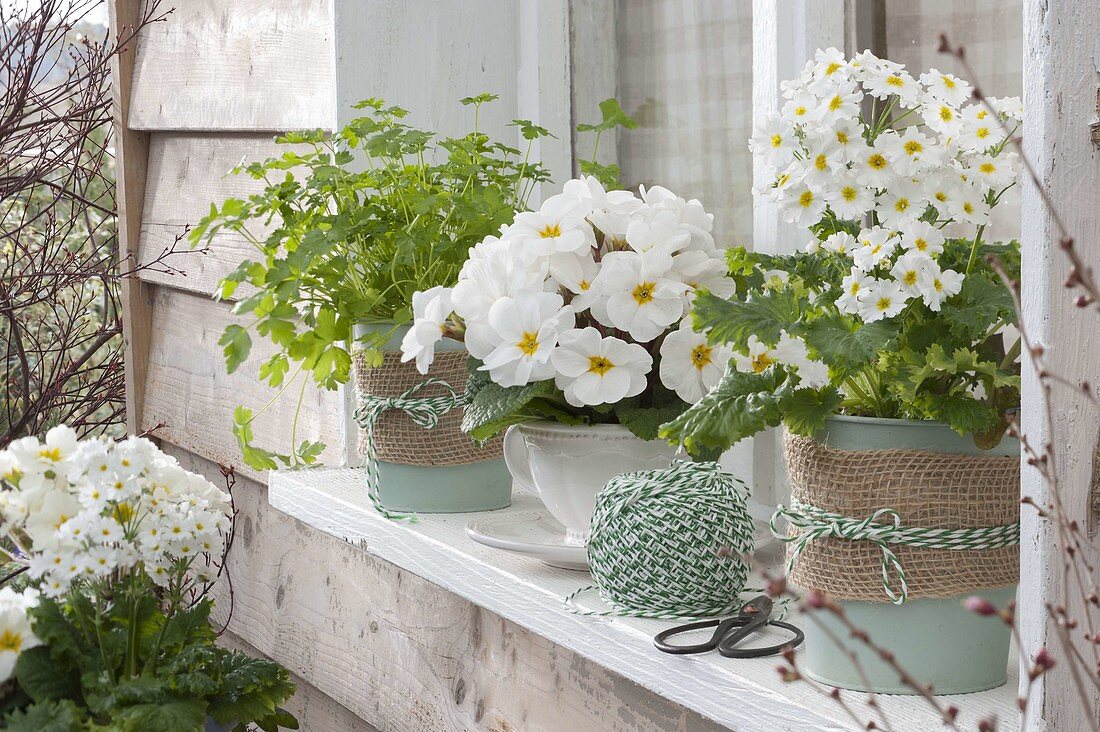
x=593 y=73
x=528 y=593
x=1061 y=81
x=241 y=65
x=189 y=392
x=186 y=173
x=784 y=37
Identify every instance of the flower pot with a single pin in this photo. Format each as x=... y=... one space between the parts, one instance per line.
x=567 y=465
x=935 y=479
x=437 y=470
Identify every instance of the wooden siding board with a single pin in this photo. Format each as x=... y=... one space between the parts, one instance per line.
x=190 y=394
x=243 y=65
x=186 y=173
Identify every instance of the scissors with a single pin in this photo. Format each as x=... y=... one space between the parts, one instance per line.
x=728 y=633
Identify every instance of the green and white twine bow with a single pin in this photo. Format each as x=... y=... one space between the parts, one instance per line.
x=883 y=527
x=653 y=544
x=423 y=411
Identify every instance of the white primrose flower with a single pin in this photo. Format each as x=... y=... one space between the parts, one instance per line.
x=16 y=633
x=689 y=365
x=840 y=243
x=946 y=87
x=829 y=71
x=801 y=205
x=848 y=197
x=881 y=299
x=910 y=152
x=872 y=165
x=800 y=109
x=938 y=187
x=592 y=369
x=526 y=329
x=51 y=456
x=910 y=269
x=643 y=298
x=1010 y=107
x=995 y=173
x=981 y=130
x=776 y=141
x=689 y=215
x=923 y=237
x=936 y=286
x=558 y=226
x=875 y=245
x=968 y=204
x=503 y=273
x=823 y=163
x=609 y=211
x=576 y=273
x=788 y=351
x=900 y=203
x=845 y=136
x=662 y=234
x=702 y=270
x=840 y=103
x=431 y=309
x=941 y=116
x=852 y=286
x=891 y=79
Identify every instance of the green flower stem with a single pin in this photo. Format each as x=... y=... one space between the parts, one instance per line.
x=974 y=250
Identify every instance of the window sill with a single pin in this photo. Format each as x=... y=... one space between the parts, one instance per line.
x=735 y=693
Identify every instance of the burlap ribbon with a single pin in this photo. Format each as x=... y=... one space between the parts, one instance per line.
x=398 y=438
x=948 y=530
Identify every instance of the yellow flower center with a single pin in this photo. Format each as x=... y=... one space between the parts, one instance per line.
x=947 y=114
x=883 y=304
x=123 y=512
x=832 y=68
x=910 y=278
x=643 y=293
x=529 y=344
x=901 y=205
x=550 y=231
x=806 y=199
x=912 y=147
x=777 y=140
x=968 y=207
x=13 y=475
x=982 y=133
x=920 y=244
x=761 y=362
x=877 y=161
x=700 y=355
x=842 y=137
x=60 y=520
x=981 y=114
x=835 y=103
x=941 y=196
x=849 y=193
x=583 y=285
x=11 y=641
x=895 y=81
x=821 y=163
x=53 y=454
x=799 y=111
x=853 y=289
x=987 y=168
x=947 y=81
x=937 y=284
x=599 y=365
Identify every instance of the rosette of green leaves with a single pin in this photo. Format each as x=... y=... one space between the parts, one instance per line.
x=949 y=366
x=345 y=229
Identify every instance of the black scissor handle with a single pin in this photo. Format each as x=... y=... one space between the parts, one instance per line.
x=727 y=646
x=721 y=627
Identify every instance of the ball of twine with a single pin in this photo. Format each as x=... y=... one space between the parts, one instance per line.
x=655 y=536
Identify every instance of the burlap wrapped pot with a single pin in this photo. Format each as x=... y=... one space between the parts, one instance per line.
x=400 y=440
x=933 y=490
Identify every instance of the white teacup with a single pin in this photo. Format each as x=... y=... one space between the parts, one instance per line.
x=566 y=466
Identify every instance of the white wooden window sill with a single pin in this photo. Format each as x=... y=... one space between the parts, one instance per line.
x=740 y=694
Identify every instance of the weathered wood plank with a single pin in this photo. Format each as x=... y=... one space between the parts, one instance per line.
x=190 y=394
x=131 y=155
x=313 y=709
x=187 y=172
x=404 y=654
x=1061 y=66
x=243 y=65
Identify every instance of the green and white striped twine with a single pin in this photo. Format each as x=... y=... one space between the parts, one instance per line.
x=654 y=540
x=423 y=411
x=884 y=528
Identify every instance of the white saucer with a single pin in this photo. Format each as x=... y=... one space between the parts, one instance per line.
x=534 y=533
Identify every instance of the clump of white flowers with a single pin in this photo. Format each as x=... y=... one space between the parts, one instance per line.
x=591 y=291
x=923 y=160
x=99 y=509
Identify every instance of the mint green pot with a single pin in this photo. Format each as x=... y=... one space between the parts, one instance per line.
x=480 y=486
x=937 y=641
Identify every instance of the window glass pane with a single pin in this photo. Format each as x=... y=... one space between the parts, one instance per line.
x=685 y=72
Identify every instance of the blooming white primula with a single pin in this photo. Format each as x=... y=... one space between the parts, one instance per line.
x=82 y=510
x=16 y=633
x=788 y=351
x=590 y=293
x=906 y=189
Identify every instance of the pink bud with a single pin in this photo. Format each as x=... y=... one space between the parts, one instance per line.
x=980 y=605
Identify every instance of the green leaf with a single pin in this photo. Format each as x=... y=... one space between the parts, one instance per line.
x=236 y=345
x=43 y=678
x=764 y=315
x=979 y=306
x=644 y=422
x=52 y=716
x=495 y=408
x=805 y=410
x=963 y=413
x=169 y=716
x=613 y=116
x=739 y=406
x=257 y=458
x=847 y=346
